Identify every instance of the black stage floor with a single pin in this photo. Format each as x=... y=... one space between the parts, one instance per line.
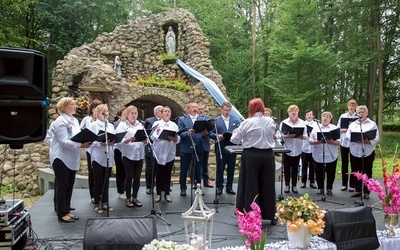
x=52 y=234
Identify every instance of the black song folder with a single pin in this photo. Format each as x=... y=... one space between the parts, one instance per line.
x=286 y=129
x=140 y=135
x=333 y=134
x=84 y=136
x=345 y=122
x=356 y=136
x=165 y=133
x=111 y=137
x=227 y=135
x=201 y=125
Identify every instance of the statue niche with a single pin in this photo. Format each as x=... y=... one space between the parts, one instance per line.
x=170 y=41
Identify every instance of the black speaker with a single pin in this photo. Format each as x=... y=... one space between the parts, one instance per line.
x=127 y=233
x=351 y=228
x=23 y=90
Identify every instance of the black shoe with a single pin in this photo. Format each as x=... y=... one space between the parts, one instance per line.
x=71 y=208
x=219 y=192
x=294 y=190
x=366 y=196
x=344 y=188
x=74 y=217
x=287 y=189
x=356 y=195
x=319 y=191
x=351 y=190
x=68 y=220
x=183 y=193
x=148 y=191
x=274 y=221
x=303 y=185
x=313 y=186
x=329 y=192
x=230 y=191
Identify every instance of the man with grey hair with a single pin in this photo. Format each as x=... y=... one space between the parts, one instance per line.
x=149 y=173
x=362 y=149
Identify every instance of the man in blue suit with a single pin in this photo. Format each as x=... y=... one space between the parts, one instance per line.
x=187 y=134
x=224 y=123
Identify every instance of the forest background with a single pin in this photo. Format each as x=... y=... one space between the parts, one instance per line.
x=316 y=54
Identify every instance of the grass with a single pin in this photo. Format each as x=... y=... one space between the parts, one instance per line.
x=388 y=143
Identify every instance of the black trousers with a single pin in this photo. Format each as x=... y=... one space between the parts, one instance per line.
x=163 y=177
x=133 y=169
x=307 y=163
x=344 y=155
x=90 y=174
x=101 y=182
x=291 y=168
x=357 y=166
x=64 y=186
x=120 y=171
x=330 y=170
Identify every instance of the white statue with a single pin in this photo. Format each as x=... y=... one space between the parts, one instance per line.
x=117 y=65
x=170 y=41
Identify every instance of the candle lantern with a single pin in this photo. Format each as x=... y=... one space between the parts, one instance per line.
x=199 y=222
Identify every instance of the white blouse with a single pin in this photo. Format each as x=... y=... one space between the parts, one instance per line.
x=134 y=151
x=294 y=144
x=355 y=147
x=165 y=150
x=330 y=151
x=64 y=127
x=97 y=151
x=256 y=132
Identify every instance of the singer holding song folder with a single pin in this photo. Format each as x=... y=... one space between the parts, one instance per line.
x=65 y=156
x=362 y=152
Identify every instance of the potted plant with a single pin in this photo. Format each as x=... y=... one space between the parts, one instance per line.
x=303 y=217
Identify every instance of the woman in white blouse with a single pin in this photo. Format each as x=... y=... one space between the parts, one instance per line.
x=65 y=156
x=99 y=156
x=132 y=154
x=165 y=151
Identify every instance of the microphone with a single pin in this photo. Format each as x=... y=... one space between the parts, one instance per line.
x=273 y=117
x=316 y=120
x=183 y=114
x=142 y=122
x=357 y=115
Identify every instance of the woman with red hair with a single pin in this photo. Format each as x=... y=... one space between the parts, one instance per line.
x=257 y=171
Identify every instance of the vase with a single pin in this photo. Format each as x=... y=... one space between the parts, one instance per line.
x=391 y=223
x=301 y=238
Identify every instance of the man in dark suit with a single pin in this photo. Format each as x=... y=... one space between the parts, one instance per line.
x=206 y=148
x=225 y=124
x=187 y=134
x=148 y=154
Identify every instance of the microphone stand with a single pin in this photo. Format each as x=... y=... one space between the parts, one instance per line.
x=106 y=176
x=280 y=197
x=324 y=142
x=216 y=202
x=153 y=159
x=361 y=201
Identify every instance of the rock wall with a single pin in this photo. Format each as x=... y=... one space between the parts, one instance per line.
x=89 y=70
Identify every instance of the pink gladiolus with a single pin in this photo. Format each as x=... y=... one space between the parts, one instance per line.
x=250 y=226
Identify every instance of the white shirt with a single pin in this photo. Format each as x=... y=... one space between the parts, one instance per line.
x=256 y=132
x=355 y=147
x=85 y=123
x=134 y=151
x=331 y=151
x=61 y=146
x=307 y=147
x=343 y=141
x=294 y=144
x=226 y=121
x=98 y=152
x=50 y=134
x=164 y=150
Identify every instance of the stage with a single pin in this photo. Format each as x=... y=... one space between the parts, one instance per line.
x=52 y=234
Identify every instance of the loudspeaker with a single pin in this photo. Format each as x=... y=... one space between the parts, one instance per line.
x=23 y=90
x=351 y=228
x=127 y=233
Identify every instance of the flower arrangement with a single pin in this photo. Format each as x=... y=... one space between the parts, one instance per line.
x=163 y=244
x=250 y=226
x=389 y=194
x=82 y=102
x=301 y=212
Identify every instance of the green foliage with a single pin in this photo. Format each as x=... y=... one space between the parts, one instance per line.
x=392 y=127
x=168 y=57
x=153 y=81
x=7 y=188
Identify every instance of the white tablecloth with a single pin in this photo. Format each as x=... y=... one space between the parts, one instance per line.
x=388 y=242
x=316 y=243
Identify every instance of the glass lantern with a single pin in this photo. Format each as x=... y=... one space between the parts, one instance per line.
x=199 y=222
